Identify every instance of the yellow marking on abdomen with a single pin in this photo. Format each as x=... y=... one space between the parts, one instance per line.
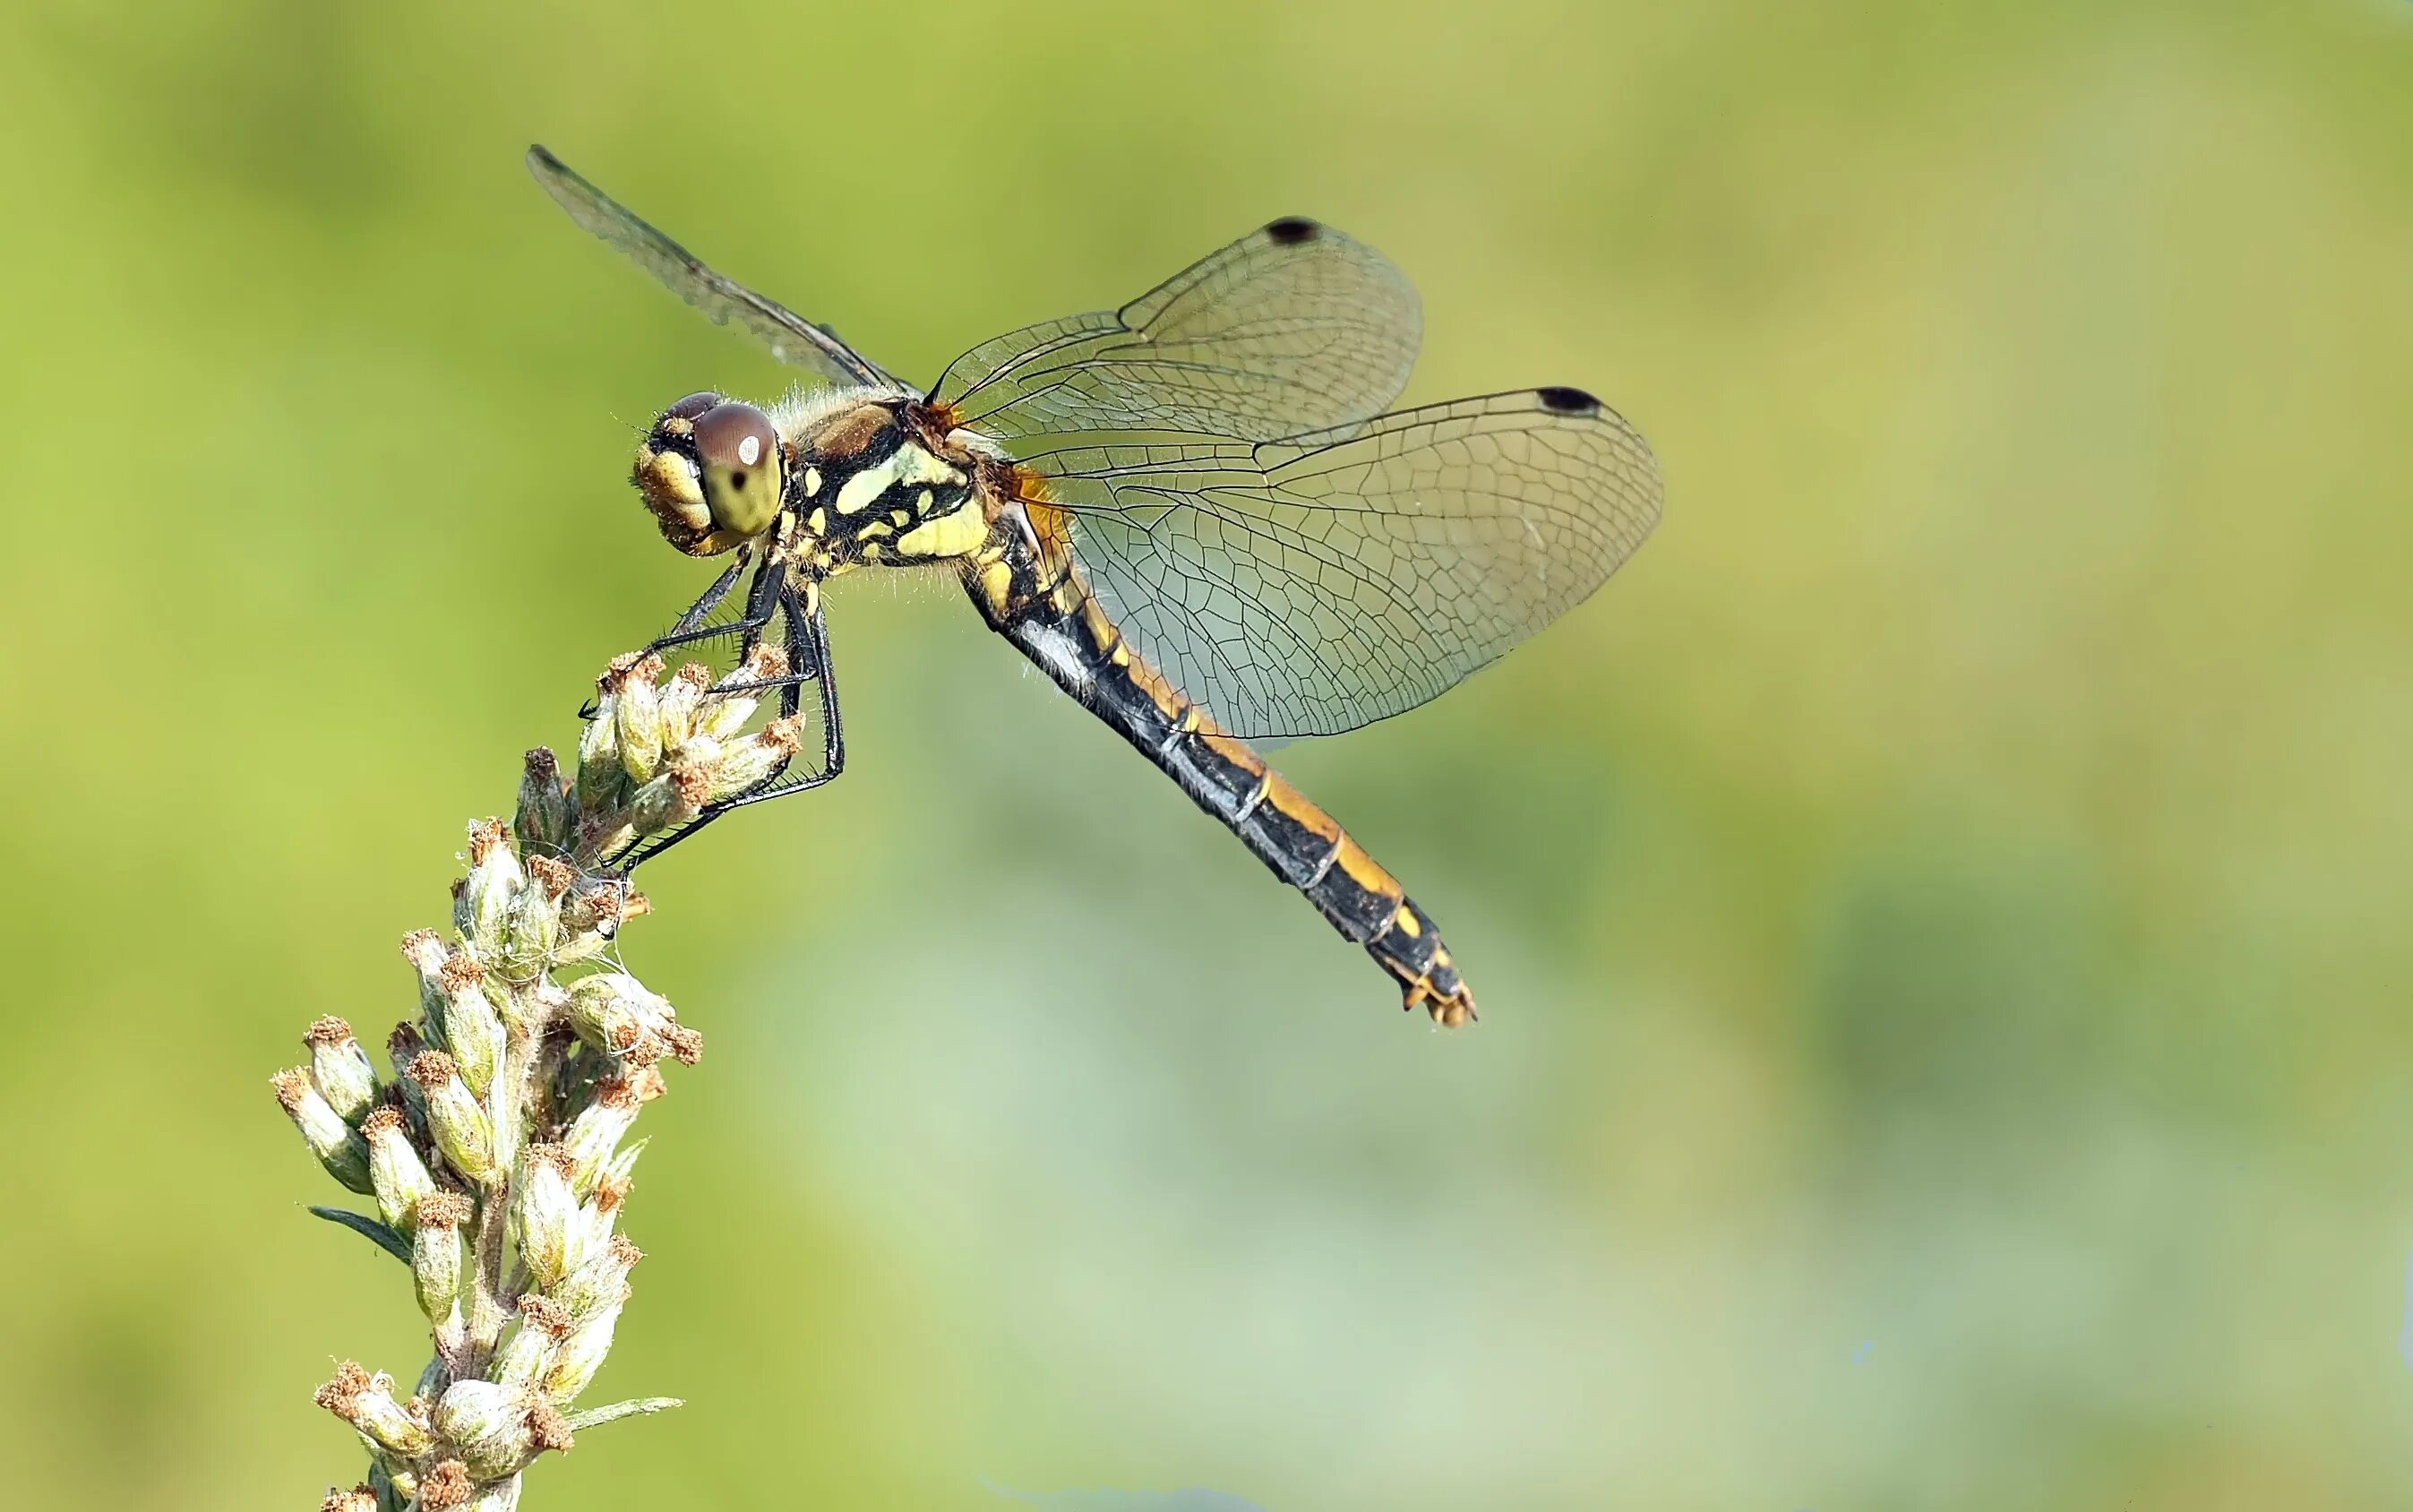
x=1365 y=870
x=1302 y=811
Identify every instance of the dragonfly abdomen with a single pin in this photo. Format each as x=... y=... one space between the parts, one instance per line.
x=1307 y=848
x=1301 y=844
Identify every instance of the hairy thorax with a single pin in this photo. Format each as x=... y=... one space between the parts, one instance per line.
x=886 y=480
x=883 y=478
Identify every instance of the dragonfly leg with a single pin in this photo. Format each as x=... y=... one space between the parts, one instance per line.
x=712 y=596
x=690 y=627
x=762 y=601
x=808 y=661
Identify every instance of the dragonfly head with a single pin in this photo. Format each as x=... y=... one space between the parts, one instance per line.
x=713 y=471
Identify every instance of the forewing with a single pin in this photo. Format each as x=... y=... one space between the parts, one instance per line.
x=791 y=338
x=1293 y=326
x=1313 y=584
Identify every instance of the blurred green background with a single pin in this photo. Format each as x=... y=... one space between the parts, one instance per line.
x=1940 y=915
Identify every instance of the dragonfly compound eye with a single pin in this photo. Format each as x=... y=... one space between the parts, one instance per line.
x=737 y=451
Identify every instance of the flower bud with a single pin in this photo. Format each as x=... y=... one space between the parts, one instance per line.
x=612 y=1012
x=614 y=1181
x=472 y=1026
x=399 y=1176
x=361 y=1498
x=486 y=1424
x=681 y=697
x=404 y=1046
x=542 y=820
x=533 y=930
x=580 y=1355
x=435 y=1253
x=552 y=874
x=494 y=880
x=600 y=905
x=671 y=799
x=600 y=781
x=702 y=753
x=366 y=1401
x=548 y=1208
x=757 y=757
x=340 y=1069
x=638 y=714
x=522 y=1359
x=458 y=1124
x=725 y=714
x=544 y=1324
x=337 y=1144
x=598 y=1128
x=590 y=1231
x=445 y=1487
x=600 y=1283
x=425 y=953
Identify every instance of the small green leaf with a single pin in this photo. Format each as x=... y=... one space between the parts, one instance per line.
x=369 y=1228
x=637 y=1407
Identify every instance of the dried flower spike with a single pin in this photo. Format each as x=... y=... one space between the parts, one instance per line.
x=498 y=1150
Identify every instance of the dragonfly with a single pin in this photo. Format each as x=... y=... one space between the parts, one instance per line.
x=1196 y=514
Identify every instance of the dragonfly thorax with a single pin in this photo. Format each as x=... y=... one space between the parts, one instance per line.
x=876 y=482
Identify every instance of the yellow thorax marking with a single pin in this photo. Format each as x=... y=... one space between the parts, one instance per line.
x=909 y=463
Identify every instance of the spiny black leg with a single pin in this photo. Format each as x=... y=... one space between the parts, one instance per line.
x=762 y=599
x=808 y=645
x=712 y=596
x=808 y=661
x=833 y=734
x=686 y=629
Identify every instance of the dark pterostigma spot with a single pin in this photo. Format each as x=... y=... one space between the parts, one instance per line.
x=1292 y=230
x=1561 y=400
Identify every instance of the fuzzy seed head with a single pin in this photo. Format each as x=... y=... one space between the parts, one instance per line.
x=433 y=1070
x=445 y=1209
x=445 y=1486
x=554 y=876
x=548 y=1428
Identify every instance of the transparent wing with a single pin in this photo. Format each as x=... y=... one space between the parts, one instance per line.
x=1310 y=586
x=1294 y=325
x=791 y=338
